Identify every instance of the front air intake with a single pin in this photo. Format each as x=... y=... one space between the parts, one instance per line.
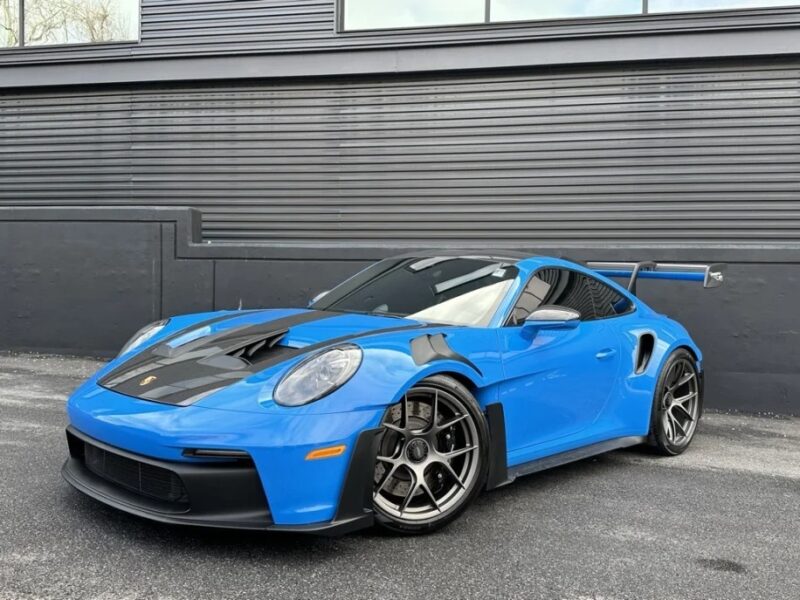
x=138 y=477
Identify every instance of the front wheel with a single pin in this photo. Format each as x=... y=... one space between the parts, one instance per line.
x=432 y=457
x=677 y=404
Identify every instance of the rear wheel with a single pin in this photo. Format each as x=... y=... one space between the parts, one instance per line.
x=432 y=457
x=677 y=404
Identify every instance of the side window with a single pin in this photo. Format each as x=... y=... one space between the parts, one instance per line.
x=571 y=291
x=562 y=287
x=531 y=298
x=607 y=301
x=554 y=286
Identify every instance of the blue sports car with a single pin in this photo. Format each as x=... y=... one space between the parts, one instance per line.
x=394 y=398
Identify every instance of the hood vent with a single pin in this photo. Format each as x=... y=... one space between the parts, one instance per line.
x=256 y=349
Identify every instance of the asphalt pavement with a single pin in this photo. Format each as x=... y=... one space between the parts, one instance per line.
x=721 y=521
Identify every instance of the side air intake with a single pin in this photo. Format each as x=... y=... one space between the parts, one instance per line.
x=644 y=352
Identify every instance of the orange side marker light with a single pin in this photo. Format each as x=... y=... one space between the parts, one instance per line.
x=328 y=452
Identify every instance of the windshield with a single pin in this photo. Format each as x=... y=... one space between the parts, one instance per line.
x=451 y=290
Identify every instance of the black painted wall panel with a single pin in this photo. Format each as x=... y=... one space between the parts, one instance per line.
x=83 y=280
x=188 y=285
x=747 y=330
x=70 y=286
x=257 y=283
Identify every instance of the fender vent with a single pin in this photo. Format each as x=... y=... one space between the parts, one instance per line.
x=647 y=343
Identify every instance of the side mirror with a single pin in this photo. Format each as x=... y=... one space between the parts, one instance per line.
x=318 y=297
x=553 y=317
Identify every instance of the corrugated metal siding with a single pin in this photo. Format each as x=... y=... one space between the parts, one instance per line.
x=691 y=154
x=172 y=28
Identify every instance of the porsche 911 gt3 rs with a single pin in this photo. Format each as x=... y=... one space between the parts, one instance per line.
x=395 y=398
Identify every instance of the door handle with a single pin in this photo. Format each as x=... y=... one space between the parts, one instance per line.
x=605 y=353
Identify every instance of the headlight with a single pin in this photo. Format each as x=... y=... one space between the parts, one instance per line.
x=144 y=334
x=318 y=376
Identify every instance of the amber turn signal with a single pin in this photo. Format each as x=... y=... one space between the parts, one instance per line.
x=328 y=452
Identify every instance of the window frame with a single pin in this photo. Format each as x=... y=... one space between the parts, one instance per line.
x=23 y=46
x=487 y=23
x=506 y=322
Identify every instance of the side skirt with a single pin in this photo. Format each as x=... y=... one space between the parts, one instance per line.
x=556 y=460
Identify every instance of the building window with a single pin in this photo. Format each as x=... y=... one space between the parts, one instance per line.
x=9 y=23
x=385 y=14
x=52 y=22
x=662 y=6
x=532 y=10
x=389 y=14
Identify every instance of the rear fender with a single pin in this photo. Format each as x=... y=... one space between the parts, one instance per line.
x=638 y=389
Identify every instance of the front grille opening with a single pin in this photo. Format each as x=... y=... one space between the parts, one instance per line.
x=138 y=477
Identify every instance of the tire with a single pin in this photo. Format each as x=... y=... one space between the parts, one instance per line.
x=673 y=422
x=432 y=458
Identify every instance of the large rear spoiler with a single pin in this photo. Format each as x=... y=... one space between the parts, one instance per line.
x=711 y=275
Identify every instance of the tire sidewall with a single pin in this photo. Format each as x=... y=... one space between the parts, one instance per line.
x=456 y=388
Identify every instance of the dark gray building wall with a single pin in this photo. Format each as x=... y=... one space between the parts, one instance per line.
x=82 y=280
x=690 y=154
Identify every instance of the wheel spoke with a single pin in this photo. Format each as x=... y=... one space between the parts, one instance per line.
x=668 y=428
x=451 y=422
x=386 y=478
x=435 y=409
x=674 y=374
x=404 y=412
x=684 y=409
x=684 y=399
x=412 y=489
x=459 y=452
x=394 y=427
x=677 y=424
x=423 y=484
x=686 y=378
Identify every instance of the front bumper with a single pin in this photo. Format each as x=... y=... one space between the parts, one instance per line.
x=298 y=491
x=224 y=494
